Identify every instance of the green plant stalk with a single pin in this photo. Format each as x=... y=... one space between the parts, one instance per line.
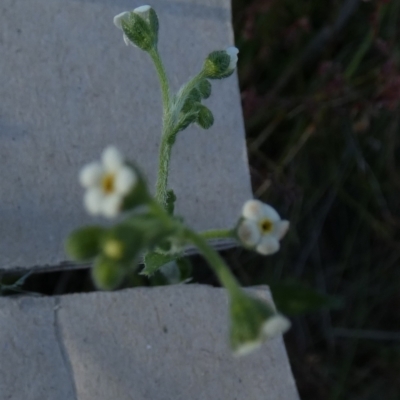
x=165 y=90
x=215 y=261
x=167 y=131
x=170 y=119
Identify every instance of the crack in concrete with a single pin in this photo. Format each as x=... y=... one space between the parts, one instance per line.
x=64 y=353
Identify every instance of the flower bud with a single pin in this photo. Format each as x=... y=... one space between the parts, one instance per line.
x=252 y=322
x=204 y=88
x=221 y=64
x=122 y=243
x=205 y=118
x=84 y=244
x=107 y=274
x=140 y=27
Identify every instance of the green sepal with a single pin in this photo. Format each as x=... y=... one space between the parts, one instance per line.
x=154 y=261
x=226 y=74
x=171 y=198
x=195 y=95
x=154 y=24
x=216 y=64
x=204 y=88
x=138 y=31
x=84 y=244
x=205 y=117
x=107 y=274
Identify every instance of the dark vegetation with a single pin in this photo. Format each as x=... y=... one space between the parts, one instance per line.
x=320 y=86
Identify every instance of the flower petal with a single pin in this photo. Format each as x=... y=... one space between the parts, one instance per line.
x=125 y=180
x=233 y=54
x=93 y=201
x=112 y=159
x=141 y=9
x=127 y=41
x=110 y=206
x=253 y=210
x=249 y=233
x=118 y=18
x=91 y=174
x=276 y=326
x=270 y=213
x=268 y=245
x=280 y=229
x=247 y=348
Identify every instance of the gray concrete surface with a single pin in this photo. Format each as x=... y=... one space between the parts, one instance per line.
x=69 y=87
x=164 y=343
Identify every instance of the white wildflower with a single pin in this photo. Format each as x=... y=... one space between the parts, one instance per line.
x=261 y=227
x=107 y=183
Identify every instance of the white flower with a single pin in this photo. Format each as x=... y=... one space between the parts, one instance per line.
x=275 y=326
x=124 y=16
x=107 y=183
x=233 y=54
x=261 y=227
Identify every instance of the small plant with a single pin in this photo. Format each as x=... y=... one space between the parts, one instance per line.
x=146 y=226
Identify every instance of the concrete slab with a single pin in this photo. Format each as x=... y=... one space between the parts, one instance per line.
x=165 y=343
x=69 y=87
x=32 y=363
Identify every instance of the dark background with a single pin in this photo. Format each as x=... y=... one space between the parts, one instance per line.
x=320 y=86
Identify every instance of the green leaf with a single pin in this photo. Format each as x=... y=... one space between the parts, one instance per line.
x=154 y=261
x=295 y=299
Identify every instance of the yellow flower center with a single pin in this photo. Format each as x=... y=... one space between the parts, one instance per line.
x=108 y=183
x=266 y=226
x=114 y=249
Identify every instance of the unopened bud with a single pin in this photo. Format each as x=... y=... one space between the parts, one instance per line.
x=205 y=118
x=221 y=64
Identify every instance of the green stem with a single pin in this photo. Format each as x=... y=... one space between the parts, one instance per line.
x=165 y=146
x=165 y=90
x=163 y=169
x=170 y=119
x=217 y=234
x=215 y=261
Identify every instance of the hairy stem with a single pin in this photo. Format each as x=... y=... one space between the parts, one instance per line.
x=216 y=262
x=165 y=90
